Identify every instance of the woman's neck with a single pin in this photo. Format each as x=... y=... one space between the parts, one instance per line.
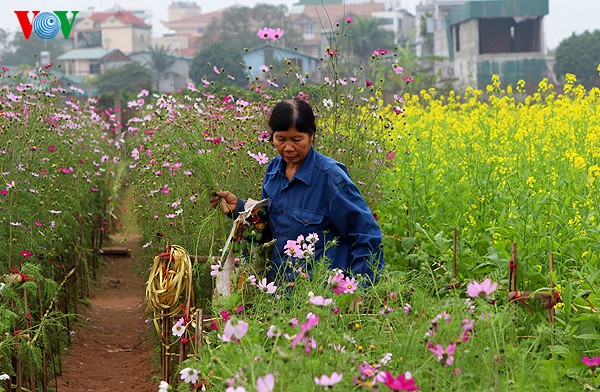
x=291 y=169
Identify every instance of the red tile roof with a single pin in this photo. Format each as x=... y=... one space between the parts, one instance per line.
x=123 y=16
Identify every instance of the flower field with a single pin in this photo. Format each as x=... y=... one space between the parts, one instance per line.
x=488 y=202
x=60 y=166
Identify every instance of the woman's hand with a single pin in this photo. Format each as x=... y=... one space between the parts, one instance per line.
x=226 y=199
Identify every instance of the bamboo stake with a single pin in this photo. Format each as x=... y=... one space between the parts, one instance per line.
x=44 y=352
x=199 y=326
x=19 y=373
x=165 y=346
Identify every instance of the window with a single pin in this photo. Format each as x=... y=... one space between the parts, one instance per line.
x=95 y=68
x=309 y=30
x=509 y=35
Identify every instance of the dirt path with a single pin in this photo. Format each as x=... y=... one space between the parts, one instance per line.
x=112 y=348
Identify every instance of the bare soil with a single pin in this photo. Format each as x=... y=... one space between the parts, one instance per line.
x=113 y=344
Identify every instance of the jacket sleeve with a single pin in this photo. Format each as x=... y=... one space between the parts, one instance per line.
x=355 y=222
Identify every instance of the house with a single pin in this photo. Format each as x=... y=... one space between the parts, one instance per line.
x=479 y=38
x=191 y=28
x=267 y=55
x=113 y=30
x=317 y=20
x=174 y=77
x=90 y=61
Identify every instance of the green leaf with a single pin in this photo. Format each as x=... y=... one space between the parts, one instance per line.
x=408 y=243
x=588 y=336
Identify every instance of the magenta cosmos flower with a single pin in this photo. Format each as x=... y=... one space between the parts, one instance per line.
x=304 y=328
x=329 y=381
x=483 y=289
x=447 y=354
x=591 y=362
x=400 y=383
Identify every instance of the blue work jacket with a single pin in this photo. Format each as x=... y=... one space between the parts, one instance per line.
x=320 y=198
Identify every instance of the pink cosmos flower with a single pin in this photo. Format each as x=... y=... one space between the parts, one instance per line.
x=398 y=69
x=234 y=330
x=291 y=248
x=404 y=382
x=277 y=33
x=179 y=327
x=336 y=282
x=320 y=301
x=273 y=331
x=189 y=375
x=483 y=289
x=304 y=328
x=591 y=362
x=26 y=253
x=4 y=192
x=329 y=381
x=367 y=370
x=447 y=354
x=215 y=269
x=266 y=383
x=264 y=33
x=349 y=19
x=269 y=288
x=293 y=322
x=349 y=285
x=369 y=83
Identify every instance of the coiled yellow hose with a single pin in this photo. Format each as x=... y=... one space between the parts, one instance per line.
x=170 y=279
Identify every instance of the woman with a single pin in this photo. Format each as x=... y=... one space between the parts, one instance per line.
x=308 y=193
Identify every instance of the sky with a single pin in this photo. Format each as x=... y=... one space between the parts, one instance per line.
x=565 y=16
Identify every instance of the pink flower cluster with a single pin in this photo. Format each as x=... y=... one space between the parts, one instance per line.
x=270 y=33
x=370 y=375
x=303 y=336
x=301 y=248
x=340 y=284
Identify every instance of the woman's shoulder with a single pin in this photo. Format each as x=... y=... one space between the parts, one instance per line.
x=337 y=171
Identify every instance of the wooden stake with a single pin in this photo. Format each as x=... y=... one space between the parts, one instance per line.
x=166 y=326
x=199 y=326
x=454 y=253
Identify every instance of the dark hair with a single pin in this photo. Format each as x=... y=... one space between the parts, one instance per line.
x=293 y=113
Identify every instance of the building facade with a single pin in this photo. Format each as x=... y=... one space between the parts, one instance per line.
x=479 y=38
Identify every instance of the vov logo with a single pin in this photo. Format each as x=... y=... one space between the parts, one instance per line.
x=46 y=24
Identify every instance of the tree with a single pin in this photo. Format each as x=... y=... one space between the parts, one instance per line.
x=18 y=50
x=580 y=55
x=239 y=25
x=160 y=60
x=126 y=78
x=226 y=57
x=365 y=36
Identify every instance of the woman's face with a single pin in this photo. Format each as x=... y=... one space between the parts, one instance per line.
x=292 y=145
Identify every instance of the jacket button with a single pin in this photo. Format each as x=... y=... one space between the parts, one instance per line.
x=280 y=212
x=305 y=220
